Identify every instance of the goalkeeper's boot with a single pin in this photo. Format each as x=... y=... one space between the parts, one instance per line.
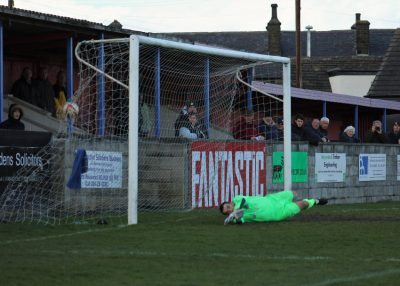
x=322 y=201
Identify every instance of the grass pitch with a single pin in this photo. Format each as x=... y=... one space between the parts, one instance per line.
x=329 y=245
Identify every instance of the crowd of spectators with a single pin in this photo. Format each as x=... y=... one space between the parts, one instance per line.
x=189 y=124
x=314 y=131
x=40 y=92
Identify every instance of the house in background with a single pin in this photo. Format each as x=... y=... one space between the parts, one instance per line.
x=357 y=62
x=337 y=59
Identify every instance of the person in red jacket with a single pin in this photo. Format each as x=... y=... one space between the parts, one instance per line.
x=245 y=129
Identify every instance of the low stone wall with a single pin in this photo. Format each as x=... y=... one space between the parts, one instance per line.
x=350 y=191
x=164 y=172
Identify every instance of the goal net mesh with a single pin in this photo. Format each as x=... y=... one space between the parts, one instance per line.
x=201 y=127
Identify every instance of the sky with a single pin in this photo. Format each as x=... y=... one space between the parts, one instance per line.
x=221 y=15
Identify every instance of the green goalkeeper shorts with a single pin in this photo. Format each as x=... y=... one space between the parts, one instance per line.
x=282 y=206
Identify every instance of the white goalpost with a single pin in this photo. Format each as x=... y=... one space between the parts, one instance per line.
x=135 y=42
x=138 y=100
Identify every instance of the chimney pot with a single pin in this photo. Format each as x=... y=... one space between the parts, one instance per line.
x=274 y=12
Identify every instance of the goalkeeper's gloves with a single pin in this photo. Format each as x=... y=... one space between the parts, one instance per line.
x=234 y=217
x=229 y=219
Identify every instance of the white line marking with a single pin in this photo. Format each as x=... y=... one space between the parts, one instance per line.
x=213 y=254
x=166 y=254
x=368 y=209
x=363 y=276
x=60 y=235
x=84 y=232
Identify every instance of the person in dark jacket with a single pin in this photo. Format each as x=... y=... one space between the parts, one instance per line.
x=15 y=114
x=376 y=134
x=323 y=128
x=348 y=135
x=267 y=127
x=45 y=91
x=312 y=132
x=23 y=88
x=394 y=135
x=298 y=128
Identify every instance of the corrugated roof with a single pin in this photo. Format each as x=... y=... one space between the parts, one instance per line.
x=327 y=96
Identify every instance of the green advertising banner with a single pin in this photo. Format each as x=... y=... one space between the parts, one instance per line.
x=299 y=167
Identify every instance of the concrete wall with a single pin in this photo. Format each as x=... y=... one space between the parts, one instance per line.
x=164 y=174
x=350 y=191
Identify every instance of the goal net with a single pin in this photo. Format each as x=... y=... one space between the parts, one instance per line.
x=159 y=126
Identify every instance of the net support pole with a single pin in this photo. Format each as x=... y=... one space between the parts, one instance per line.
x=384 y=118
x=287 y=131
x=207 y=94
x=70 y=78
x=356 y=120
x=157 y=88
x=133 y=137
x=324 y=108
x=100 y=88
x=249 y=93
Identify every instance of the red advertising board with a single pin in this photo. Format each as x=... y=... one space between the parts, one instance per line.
x=219 y=171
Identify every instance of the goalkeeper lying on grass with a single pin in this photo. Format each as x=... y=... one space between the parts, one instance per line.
x=274 y=207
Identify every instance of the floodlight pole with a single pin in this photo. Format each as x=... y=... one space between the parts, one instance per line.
x=298 y=46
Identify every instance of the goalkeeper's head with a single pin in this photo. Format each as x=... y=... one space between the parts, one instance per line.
x=226 y=208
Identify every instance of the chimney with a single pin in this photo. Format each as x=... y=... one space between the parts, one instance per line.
x=10 y=3
x=274 y=33
x=362 y=35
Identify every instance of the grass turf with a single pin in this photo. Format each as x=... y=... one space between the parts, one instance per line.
x=329 y=245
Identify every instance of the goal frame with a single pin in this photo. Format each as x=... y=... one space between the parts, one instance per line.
x=133 y=137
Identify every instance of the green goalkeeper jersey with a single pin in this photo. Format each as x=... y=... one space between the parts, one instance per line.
x=274 y=207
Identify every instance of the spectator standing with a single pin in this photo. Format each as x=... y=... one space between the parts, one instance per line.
x=376 y=135
x=45 y=91
x=348 y=135
x=15 y=114
x=323 y=128
x=23 y=88
x=190 y=129
x=298 y=128
x=245 y=129
x=60 y=93
x=394 y=135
